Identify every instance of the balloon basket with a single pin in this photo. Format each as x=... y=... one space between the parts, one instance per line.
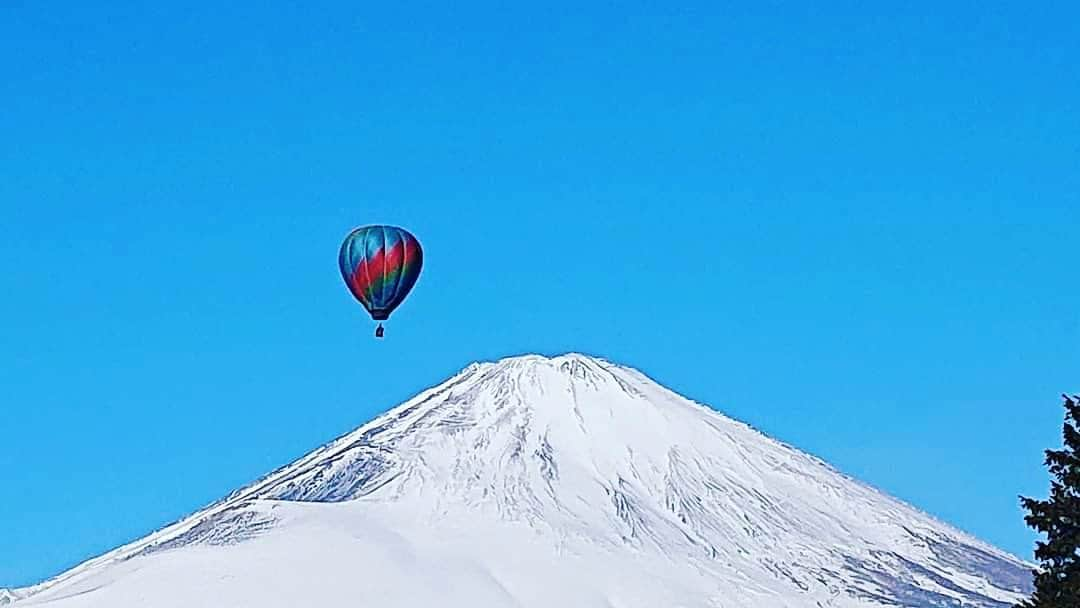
x=379 y=331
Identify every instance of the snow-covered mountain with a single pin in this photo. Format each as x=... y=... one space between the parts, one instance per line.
x=540 y=482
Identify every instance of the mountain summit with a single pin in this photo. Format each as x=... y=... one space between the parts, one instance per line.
x=540 y=482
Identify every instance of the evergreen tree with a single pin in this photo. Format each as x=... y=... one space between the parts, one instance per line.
x=1057 y=581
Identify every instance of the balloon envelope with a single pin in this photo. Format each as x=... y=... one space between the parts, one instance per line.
x=380 y=265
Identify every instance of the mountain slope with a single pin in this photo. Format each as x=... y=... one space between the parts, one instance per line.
x=538 y=481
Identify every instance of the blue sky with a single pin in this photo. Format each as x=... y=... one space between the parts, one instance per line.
x=856 y=230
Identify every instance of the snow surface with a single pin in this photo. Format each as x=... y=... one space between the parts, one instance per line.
x=539 y=482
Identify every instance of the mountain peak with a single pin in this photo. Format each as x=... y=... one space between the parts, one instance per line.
x=608 y=483
x=566 y=362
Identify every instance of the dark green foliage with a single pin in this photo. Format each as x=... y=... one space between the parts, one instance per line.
x=1057 y=581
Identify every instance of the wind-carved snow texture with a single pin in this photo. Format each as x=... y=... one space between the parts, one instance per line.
x=538 y=481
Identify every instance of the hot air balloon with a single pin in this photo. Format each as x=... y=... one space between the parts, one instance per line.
x=380 y=265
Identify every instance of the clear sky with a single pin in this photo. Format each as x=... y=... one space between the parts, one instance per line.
x=856 y=229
